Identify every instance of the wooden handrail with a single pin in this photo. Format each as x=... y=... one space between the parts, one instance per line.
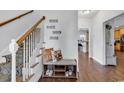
x=15 y=18
x=32 y=29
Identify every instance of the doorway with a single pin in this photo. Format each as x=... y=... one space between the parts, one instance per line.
x=114 y=40
x=119 y=39
x=83 y=41
x=119 y=44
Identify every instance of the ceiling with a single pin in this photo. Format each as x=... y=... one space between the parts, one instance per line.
x=88 y=15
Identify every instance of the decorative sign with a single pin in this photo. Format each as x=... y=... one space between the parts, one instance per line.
x=54 y=37
x=57 y=32
x=53 y=20
x=51 y=27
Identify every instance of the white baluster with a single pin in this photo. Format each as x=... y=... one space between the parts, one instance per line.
x=24 y=59
x=13 y=47
x=32 y=41
x=29 y=57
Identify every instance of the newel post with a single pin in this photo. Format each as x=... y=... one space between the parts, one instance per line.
x=13 y=47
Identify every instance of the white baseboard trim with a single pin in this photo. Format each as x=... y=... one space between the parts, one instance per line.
x=97 y=60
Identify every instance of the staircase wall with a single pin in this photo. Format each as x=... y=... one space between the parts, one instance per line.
x=68 y=25
x=16 y=28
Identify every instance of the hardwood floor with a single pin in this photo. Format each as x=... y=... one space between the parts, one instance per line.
x=92 y=71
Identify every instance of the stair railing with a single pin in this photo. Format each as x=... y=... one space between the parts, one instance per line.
x=15 y=18
x=28 y=41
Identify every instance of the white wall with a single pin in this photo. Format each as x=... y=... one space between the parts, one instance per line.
x=16 y=28
x=86 y=23
x=98 y=33
x=67 y=23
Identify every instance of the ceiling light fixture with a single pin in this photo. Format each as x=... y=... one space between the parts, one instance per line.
x=86 y=11
x=82 y=36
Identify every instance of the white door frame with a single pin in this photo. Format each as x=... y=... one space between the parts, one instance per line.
x=104 y=37
x=89 y=41
x=104 y=44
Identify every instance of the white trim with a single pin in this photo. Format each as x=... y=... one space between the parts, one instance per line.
x=98 y=61
x=104 y=44
x=23 y=69
x=90 y=43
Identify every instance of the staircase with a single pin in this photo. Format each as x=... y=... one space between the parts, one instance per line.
x=23 y=60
